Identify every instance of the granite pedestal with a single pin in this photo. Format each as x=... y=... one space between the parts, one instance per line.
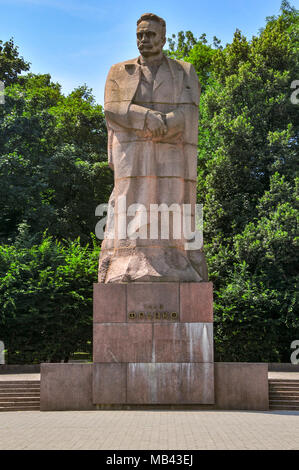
x=153 y=343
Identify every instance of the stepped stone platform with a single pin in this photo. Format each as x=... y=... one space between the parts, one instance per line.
x=284 y=393
x=237 y=386
x=19 y=394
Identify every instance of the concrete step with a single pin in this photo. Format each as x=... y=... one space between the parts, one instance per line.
x=19 y=382
x=279 y=397
x=284 y=382
x=21 y=393
x=285 y=404
x=284 y=407
x=19 y=399
x=293 y=399
x=19 y=404
x=282 y=394
x=19 y=389
x=4 y=385
x=283 y=385
x=20 y=408
x=23 y=387
x=283 y=390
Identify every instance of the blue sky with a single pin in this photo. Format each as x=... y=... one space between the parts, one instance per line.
x=77 y=41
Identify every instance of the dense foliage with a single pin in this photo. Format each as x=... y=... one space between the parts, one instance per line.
x=11 y=65
x=53 y=169
x=53 y=173
x=46 y=294
x=248 y=184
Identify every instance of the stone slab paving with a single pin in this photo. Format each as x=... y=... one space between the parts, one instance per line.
x=149 y=430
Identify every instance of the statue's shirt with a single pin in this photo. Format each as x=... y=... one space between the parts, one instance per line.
x=150 y=92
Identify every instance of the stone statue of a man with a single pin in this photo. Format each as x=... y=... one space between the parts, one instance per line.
x=151 y=108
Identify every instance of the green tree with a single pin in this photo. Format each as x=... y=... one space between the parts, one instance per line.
x=257 y=306
x=53 y=174
x=197 y=51
x=11 y=65
x=53 y=169
x=46 y=298
x=248 y=161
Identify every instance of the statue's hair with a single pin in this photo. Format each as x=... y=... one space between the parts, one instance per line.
x=153 y=17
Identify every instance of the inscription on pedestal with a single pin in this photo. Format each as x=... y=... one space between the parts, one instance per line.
x=158 y=316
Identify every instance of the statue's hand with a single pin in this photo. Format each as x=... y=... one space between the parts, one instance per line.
x=175 y=121
x=155 y=124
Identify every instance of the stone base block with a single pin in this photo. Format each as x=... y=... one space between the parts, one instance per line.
x=109 y=385
x=241 y=386
x=66 y=387
x=238 y=386
x=146 y=383
x=170 y=383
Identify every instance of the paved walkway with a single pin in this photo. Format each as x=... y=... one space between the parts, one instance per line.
x=126 y=430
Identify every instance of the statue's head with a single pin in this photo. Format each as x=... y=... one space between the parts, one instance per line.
x=151 y=34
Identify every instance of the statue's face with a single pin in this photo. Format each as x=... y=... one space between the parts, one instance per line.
x=150 y=38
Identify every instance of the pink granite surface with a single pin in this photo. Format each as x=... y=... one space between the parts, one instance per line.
x=170 y=383
x=183 y=342
x=109 y=303
x=196 y=301
x=122 y=342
